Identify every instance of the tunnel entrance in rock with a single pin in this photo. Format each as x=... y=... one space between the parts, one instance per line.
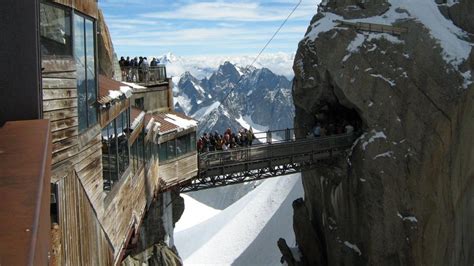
x=334 y=117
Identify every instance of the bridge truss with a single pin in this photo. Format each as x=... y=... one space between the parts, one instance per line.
x=264 y=161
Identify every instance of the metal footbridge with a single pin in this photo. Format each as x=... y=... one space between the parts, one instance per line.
x=264 y=160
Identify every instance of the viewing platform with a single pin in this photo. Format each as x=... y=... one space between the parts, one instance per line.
x=145 y=76
x=264 y=160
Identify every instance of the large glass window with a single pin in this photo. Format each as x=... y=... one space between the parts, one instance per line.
x=138 y=152
x=84 y=53
x=115 y=153
x=55 y=30
x=177 y=147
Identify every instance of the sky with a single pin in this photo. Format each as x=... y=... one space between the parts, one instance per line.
x=205 y=28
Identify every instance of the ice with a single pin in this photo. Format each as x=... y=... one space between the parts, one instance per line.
x=353 y=247
x=375 y=135
x=385 y=154
x=408 y=218
x=390 y=82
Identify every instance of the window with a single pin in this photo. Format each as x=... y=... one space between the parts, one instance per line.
x=177 y=147
x=115 y=153
x=55 y=30
x=84 y=53
x=163 y=151
x=140 y=103
x=138 y=153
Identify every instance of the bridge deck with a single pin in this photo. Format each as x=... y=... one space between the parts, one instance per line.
x=245 y=164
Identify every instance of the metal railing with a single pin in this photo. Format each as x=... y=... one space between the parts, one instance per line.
x=25 y=171
x=274 y=150
x=144 y=75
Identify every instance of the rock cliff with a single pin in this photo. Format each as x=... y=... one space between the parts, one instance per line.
x=404 y=194
x=106 y=55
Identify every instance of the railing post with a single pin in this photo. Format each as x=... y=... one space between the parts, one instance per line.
x=269 y=137
x=287 y=134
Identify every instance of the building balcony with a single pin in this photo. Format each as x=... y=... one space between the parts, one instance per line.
x=147 y=77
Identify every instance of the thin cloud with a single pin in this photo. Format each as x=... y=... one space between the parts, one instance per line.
x=222 y=11
x=206 y=28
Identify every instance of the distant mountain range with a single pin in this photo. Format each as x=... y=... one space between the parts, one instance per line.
x=204 y=66
x=253 y=97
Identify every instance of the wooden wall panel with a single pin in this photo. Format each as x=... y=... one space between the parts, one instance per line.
x=181 y=169
x=83 y=240
x=95 y=224
x=107 y=115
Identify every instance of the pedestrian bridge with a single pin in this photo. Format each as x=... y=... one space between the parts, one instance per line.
x=270 y=159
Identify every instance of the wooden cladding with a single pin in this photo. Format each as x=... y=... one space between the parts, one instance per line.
x=60 y=106
x=178 y=171
x=83 y=241
x=109 y=114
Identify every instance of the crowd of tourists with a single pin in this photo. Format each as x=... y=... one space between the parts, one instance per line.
x=226 y=141
x=322 y=130
x=136 y=69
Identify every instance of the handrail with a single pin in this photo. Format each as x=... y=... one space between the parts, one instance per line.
x=148 y=75
x=272 y=151
x=25 y=163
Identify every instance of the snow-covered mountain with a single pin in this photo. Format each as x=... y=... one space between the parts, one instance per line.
x=204 y=66
x=236 y=97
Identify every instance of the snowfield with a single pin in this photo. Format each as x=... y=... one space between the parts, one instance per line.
x=246 y=232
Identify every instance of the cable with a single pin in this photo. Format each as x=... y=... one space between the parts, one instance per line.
x=261 y=51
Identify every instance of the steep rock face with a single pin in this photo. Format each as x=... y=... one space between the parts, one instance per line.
x=355 y=8
x=106 y=53
x=154 y=239
x=461 y=15
x=404 y=193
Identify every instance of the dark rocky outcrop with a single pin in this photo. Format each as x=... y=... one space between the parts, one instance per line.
x=355 y=8
x=461 y=14
x=404 y=194
x=154 y=241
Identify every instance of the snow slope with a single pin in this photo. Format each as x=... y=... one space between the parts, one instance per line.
x=196 y=212
x=244 y=233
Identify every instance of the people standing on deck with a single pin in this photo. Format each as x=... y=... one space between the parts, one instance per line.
x=200 y=145
x=145 y=67
x=317 y=130
x=250 y=136
x=212 y=143
x=349 y=128
x=140 y=72
x=206 y=141
x=134 y=70
x=122 y=67
x=153 y=62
